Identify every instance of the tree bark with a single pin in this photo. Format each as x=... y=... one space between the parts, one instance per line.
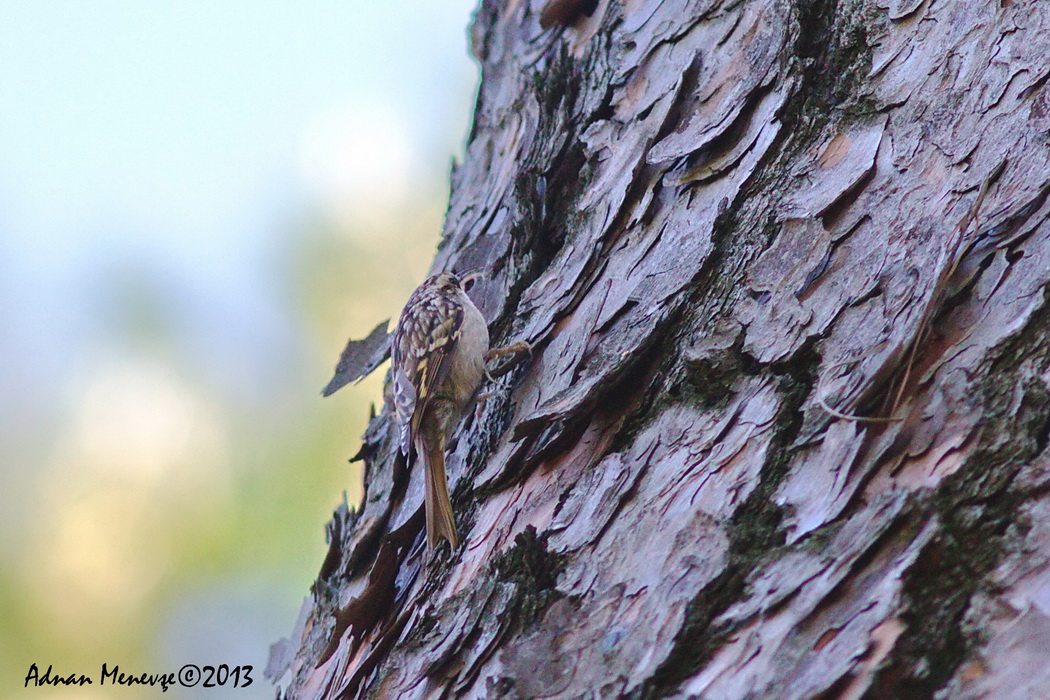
x=784 y=267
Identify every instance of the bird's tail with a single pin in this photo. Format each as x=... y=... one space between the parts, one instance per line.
x=441 y=523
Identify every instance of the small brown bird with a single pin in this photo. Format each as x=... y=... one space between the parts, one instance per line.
x=439 y=351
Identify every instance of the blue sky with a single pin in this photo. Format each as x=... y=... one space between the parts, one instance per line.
x=172 y=136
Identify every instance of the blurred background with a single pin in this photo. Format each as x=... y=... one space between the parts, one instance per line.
x=199 y=203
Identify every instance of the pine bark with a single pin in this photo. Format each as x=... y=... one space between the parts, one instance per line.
x=784 y=266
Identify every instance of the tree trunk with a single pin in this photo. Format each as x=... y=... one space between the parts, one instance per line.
x=783 y=264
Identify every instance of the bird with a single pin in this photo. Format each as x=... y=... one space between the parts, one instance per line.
x=439 y=352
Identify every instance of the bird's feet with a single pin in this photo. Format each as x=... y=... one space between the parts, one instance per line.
x=492 y=372
x=513 y=348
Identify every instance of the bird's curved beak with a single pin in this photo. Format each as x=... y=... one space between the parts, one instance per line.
x=470 y=278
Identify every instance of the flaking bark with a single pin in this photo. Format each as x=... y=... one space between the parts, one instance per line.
x=784 y=267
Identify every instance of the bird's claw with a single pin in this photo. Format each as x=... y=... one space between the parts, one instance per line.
x=516 y=347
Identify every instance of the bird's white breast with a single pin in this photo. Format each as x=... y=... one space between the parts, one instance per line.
x=468 y=366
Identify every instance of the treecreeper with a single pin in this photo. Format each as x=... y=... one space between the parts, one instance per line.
x=439 y=351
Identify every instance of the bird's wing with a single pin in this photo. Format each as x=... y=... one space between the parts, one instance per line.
x=424 y=344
